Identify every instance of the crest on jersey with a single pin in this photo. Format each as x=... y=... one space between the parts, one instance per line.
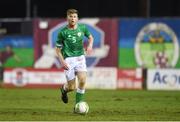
x=79 y=34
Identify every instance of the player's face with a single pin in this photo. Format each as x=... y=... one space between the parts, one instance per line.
x=72 y=19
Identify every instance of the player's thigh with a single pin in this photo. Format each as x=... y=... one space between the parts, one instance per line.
x=80 y=64
x=70 y=73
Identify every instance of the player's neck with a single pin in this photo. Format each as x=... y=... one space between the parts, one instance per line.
x=72 y=26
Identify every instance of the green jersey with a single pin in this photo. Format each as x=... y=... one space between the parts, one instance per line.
x=71 y=40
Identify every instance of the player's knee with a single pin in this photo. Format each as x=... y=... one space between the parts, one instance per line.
x=82 y=83
x=82 y=80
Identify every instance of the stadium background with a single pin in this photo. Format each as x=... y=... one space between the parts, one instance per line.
x=32 y=29
x=136 y=44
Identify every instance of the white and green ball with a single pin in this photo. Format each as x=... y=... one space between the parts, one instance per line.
x=81 y=107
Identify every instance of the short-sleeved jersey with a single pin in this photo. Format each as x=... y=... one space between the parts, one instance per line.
x=71 y=40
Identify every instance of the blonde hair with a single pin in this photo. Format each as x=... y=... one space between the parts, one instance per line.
x=71 y=11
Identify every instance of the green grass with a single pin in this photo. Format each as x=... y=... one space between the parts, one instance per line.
x=105 y=105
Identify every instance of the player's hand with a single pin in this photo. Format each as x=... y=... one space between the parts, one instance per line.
x=65 y=65
x=89 y=50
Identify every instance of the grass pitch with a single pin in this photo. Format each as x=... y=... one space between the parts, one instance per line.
x=105 y=105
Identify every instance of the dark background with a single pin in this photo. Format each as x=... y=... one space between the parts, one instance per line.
x=89 y=8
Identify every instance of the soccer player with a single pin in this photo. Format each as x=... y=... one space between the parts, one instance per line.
x=71 y=53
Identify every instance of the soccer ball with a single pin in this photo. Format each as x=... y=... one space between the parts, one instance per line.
x=81 y=107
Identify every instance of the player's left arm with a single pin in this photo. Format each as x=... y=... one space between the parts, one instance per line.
x=90 y=44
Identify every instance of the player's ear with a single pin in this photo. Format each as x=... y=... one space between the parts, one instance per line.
x=77 y=17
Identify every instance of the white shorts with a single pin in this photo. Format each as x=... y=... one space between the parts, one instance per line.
x=76 y=64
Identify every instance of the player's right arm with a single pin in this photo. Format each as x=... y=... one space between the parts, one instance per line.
x=59 y=46
x=61 y=58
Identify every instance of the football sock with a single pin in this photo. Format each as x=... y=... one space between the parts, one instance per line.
x=79 y=94
x=65 y=87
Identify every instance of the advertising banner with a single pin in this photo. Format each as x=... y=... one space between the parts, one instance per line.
x=129 y=79
x=149 y=43
x=105 y=41
x=16 y=43
x=163 y=79
x=102 y=78
x=21 y=77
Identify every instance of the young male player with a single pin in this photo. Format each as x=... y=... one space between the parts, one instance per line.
x=70 y=50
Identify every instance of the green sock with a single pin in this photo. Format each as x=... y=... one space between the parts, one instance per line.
x=79 y=94
x=79 y=97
